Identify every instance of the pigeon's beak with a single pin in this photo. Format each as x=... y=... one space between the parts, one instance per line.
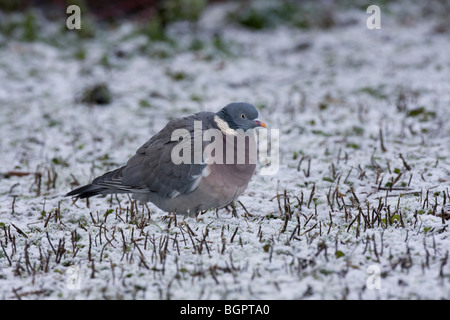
x=260 y=124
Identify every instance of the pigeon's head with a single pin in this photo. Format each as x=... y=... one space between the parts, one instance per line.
x=238 y=115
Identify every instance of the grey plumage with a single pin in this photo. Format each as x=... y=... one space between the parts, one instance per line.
x=151 y=175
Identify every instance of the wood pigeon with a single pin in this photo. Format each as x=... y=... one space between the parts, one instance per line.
x=156 y=174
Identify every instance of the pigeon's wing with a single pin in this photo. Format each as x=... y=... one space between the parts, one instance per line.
x=153 y=169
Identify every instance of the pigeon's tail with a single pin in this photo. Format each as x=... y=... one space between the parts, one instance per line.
x=88 y=191
x=110 y=182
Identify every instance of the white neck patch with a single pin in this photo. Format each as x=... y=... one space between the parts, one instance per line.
x=224 y=127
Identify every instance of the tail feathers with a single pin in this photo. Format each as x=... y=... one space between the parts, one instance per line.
x=98 y=185
x=88 y=191
x=110 y=182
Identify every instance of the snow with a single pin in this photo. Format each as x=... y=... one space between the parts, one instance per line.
x=330 y=92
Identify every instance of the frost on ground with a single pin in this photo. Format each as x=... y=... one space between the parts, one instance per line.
x=359 y=208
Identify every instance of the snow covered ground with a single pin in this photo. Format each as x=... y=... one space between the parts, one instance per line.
x=359 y=208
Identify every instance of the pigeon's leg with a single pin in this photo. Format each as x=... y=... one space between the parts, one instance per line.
x=233 y=209
x=233 y=212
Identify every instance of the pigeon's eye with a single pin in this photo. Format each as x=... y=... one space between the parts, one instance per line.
x=243 y=116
